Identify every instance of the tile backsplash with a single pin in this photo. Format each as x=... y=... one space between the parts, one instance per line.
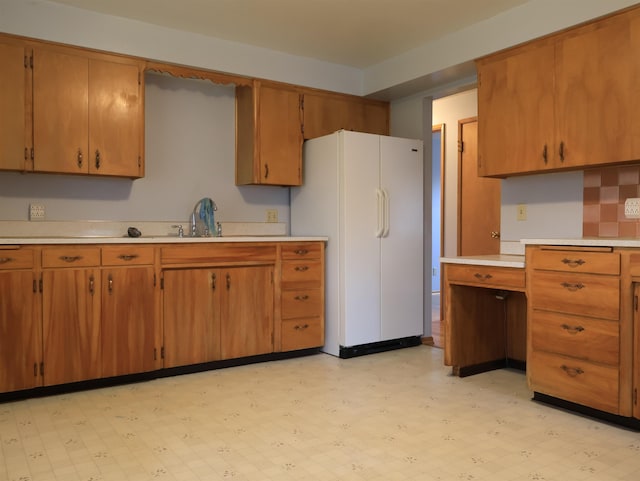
x=605 y=190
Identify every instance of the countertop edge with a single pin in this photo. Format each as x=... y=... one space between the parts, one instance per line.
x=586 y=242
x=498 y=260
x=7 y=241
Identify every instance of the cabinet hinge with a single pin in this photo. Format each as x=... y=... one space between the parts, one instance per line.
x=155 y=354
x=40 y=285
x=139 y=161
x=154 y=280
x=635 y=302
x=460 y=146
x=139 y=79
x=42 y=368
x=35 y=286
x=35 y=369
x=162 y=352
x=161 y=282
x=635 y=396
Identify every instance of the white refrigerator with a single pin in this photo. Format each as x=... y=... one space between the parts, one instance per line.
x=365 y=192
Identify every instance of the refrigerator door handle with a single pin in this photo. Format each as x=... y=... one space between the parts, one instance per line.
x=386 y=214
x=380 y=199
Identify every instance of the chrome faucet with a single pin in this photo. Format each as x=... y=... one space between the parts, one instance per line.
x=202 y=214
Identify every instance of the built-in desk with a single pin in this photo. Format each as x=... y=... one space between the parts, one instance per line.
x=485 y=313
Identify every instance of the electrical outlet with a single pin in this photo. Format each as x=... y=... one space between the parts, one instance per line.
x=632 y=208
x=36 y=212
x=272 y=215
x=521 y=212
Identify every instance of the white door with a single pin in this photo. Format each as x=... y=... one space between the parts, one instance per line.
x=360 y=247
x=401 y=255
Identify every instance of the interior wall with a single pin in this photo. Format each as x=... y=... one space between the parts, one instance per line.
x=190 y=154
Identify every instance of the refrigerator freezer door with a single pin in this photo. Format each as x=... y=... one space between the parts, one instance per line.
x=401 y=256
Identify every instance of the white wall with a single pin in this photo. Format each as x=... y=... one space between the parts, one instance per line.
x=190 y=153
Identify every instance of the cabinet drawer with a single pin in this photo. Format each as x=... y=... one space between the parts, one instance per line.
x=301 y=303
x=302 y=334
x=498 y=277
x=16 y=258
x=574 y=380
x=74 y=256
x=590 y=339
x=218 y=254
x=301 y=273
x=583 y=294
x=302 y=250
x=577 y=261
x=127 y=255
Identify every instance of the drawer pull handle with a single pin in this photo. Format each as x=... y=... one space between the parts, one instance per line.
x=92 y=285
x=572 y=329
x=572 y=371
x=127 y=257
x=70 y=258
x=573 y=287
x=4 y=260
x=302 y=268
x=482 y=277
x=573 y=262
x=301 y=298
x=301 y=328
x=301 y=252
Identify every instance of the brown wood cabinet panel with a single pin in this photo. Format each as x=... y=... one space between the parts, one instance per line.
x=20 y=330
x=301 y=303
x=218 y=254
x=14 y=94
x=247 y=308
x=16 y=258
x=123 y=255
x=302 y=334
x=71 y=256
x=581 y=294
x=60 y=111
x=580 y=261
x=128 y=318
x=116 y=119
x=71 y=325
x=508 y=278
x=590 y=339
x=304 y=250
x=578 y=381
x=268 y=135
x=301 y=274
x=191 y=316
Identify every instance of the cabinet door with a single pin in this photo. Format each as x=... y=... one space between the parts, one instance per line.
x=515 y=112
x=13 y=103
x=60 y=112
x=20 y=331
x=280 y=137
x=191 y=316
x=128 y=320
x=247 y=311
x=115 y=119
x=596 y=93
x=71 y=325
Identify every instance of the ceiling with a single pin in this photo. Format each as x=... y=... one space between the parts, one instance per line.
x=357 y=33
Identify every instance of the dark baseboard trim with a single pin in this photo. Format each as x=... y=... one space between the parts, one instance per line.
x=374 y=347
x=148 y=376
x=631 y=423
x=489 y=366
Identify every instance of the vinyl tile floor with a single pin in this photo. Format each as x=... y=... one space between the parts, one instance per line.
x=398 y=415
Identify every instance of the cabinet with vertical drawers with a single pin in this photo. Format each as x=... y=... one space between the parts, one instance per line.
x=302 y=296
x=574 y=314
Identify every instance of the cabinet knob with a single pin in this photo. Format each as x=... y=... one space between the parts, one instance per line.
x=302 y=268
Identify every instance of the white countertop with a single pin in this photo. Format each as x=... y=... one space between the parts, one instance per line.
x=151 y=240
x=497 y=260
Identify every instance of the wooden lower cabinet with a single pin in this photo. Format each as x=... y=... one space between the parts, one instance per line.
x=191 y=307
x=71 y=325
x=20 y=326
x=574 y=326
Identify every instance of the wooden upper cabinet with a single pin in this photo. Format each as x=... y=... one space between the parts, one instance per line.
x=325 y=113
x=14 y=92
x=116 y=119
x=88 y=114
x=515 y=111
x=563 y=102
x=268 y=135
x=60 y=112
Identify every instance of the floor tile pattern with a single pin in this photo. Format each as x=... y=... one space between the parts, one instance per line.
x=398 y=415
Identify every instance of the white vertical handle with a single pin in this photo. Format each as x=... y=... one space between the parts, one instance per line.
x=385 y=200
x=380 y=200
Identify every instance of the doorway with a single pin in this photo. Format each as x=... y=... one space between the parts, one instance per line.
x=437 y=203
